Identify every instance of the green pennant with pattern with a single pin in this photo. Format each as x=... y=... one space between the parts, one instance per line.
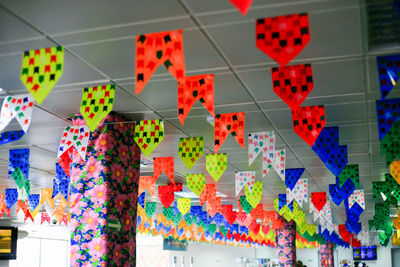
x=196 y=183
x=150 y=208
x=190 y=150
x=216 y=165
x=254 y=197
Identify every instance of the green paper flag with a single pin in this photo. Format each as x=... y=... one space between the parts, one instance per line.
x=390 y=143
x=41 y=69
x=196 y=182
x=150 y=208
x=148 y=135
x=350 y=172
x=97 y=102
x=216 y=165
x=168 y=213
x=190 y=150
x=184 y=205
x=245 y=204
x=254 y=197
x=22 y=183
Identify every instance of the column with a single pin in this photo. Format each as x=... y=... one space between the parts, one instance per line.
x=286 y=244
x=326 y=254
x=104 y=194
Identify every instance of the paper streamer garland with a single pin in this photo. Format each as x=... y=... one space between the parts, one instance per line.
x=148 y=135
x=19 y=107
x=244 y=178
x=97 y=102
x=284 y=37
x=262 y=142
x=225 y=124
x=153 y=49
x=216 y=165
x=166 y=165
x=193 y=88
x=190 y=150
x=41 y=69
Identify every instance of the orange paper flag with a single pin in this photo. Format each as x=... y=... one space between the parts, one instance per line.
x=229 y=123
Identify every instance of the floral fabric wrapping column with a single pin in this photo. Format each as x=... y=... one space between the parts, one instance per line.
x=326 y=252
x=286 y=244
x=104 y=196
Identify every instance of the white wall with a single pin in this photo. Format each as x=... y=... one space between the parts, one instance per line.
x=384 y=256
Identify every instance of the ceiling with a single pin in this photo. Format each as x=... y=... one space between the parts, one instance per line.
x=99 y=41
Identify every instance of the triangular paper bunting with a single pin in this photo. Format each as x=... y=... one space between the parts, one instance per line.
x=184 y=205
x=225 y=124
x=280 y=163
x=318 y=199
x=244 y=178
x=19 y=158
x=141 y=199
x=254 y=196
x=147 y=182
x=41 y=69
x=245 y=205
x=153 y=49
x=166 y=165
x=216 y=165
x=299 y=192
x=388 y=71
x=166 y=193
x=196 y=183
x=33 y=201
x=388 y=112
x=292 y=176
x=190 y=150
x=19 y=107
x=11 y=197
x=262 y=142
x=293 y=83
x=97 y=102
x=148 y=135
x=308 y=122
x=284 y=37
x=339 y=194
x=10 y=136
x=150 y=208
x=242 y=5
x=193 y=88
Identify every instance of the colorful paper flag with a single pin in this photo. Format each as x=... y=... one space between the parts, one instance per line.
x=244 y=178
x=19 y=158
x=41 y=69
x=148 y=135
x=166 y=193
x=388 y=112
x=388 y=68
x=190 y=150
x=308 y=122
x=33 y=201
x=19 y=107
x=262 y=142
x=254 y=195
x=284 y=37
x=280 y=162
x=193 y=88
x=166 y=165
x=153 y=49
x=216 y=165
x=97 y=102
x=209 y=192
x=184 y=205
x=351 y=171
x=44 y=218
x=10 y=136
x=150 y=208
x=229 y=123
x=149 y=183
x=11 y=197
x=357 y=197
x=213 y=206
x=196 y=183
x=299 y=192
x=242 y=5
x=23 y=184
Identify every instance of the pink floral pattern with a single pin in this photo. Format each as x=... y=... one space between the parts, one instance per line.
x=286 y=244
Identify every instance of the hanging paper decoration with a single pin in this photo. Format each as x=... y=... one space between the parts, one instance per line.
x=363 y=236
x=339 y=194
x=254 y=196
x=390 y=143
x=46 y=195
x=3 y=206
x=244 y=178
x=148 y=135
x=242 y=5
x=97 y=102
x=150 y=208
x=280 y=161
x=308 y=122
x=351 y=171
x=284 y=37
x=184 y=205
x=23 y=184
x=216 y=165
x=19 y=158
x=166 y=193
x=166 y=165
x=293 y=83
x=196 y=183
x=19 y=107
x=141 y=199
x=149 y=183
x=213 y=206
x=33 y=201
x=10 y=136
x=23 y=205
x=262 y=142
x=61 y=186
x=193 y=88
x=298 y=193
x=357 y=197
x=41 y=69
x=228 y=213
x=388 y=112
x=245 y=205
x=230 y=123
x=388 y=68
x=11 y=197
x=153 y=49
x=190 y=150
x=395 y=170
x=292 y=176
x=318 y=200
x=209 y=192
x=73 y=136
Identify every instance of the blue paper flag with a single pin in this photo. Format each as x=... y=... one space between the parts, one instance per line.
x=10 y=136
x=19 y=158
x=282 y=200
x=33 y=201
x=387 y=111
x=11 y=197
x=60 y=173
x=146 y=225
x=388 y=67
x=292 y=176
x=339 y=194
x=141 y=199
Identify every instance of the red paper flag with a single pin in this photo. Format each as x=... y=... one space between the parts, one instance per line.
x=44 y=218
x=164 y=164
x=318 y=199
x=214 y=205
x=242 y=5
x=284 y=37
x=154 y=49
x=147 y=182
x=228 y=213
x=193 y=88
x=293 y=83
x=166 y=193
x=209 y=192
x=229 y=123
x=65 y=160
x=308 y=122
x=344 y=234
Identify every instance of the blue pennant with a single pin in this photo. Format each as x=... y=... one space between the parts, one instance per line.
x=11 y=197
x=146 y=225
x=19 y=158
x=138 y=220
x=353 y=216
x=10 y=136
x=388 y=67
x=340 y=194
x=292 y=176
x=60 y=173
x=141 y=199
x=33 y=201
x=282 y=201
x=388 y=112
